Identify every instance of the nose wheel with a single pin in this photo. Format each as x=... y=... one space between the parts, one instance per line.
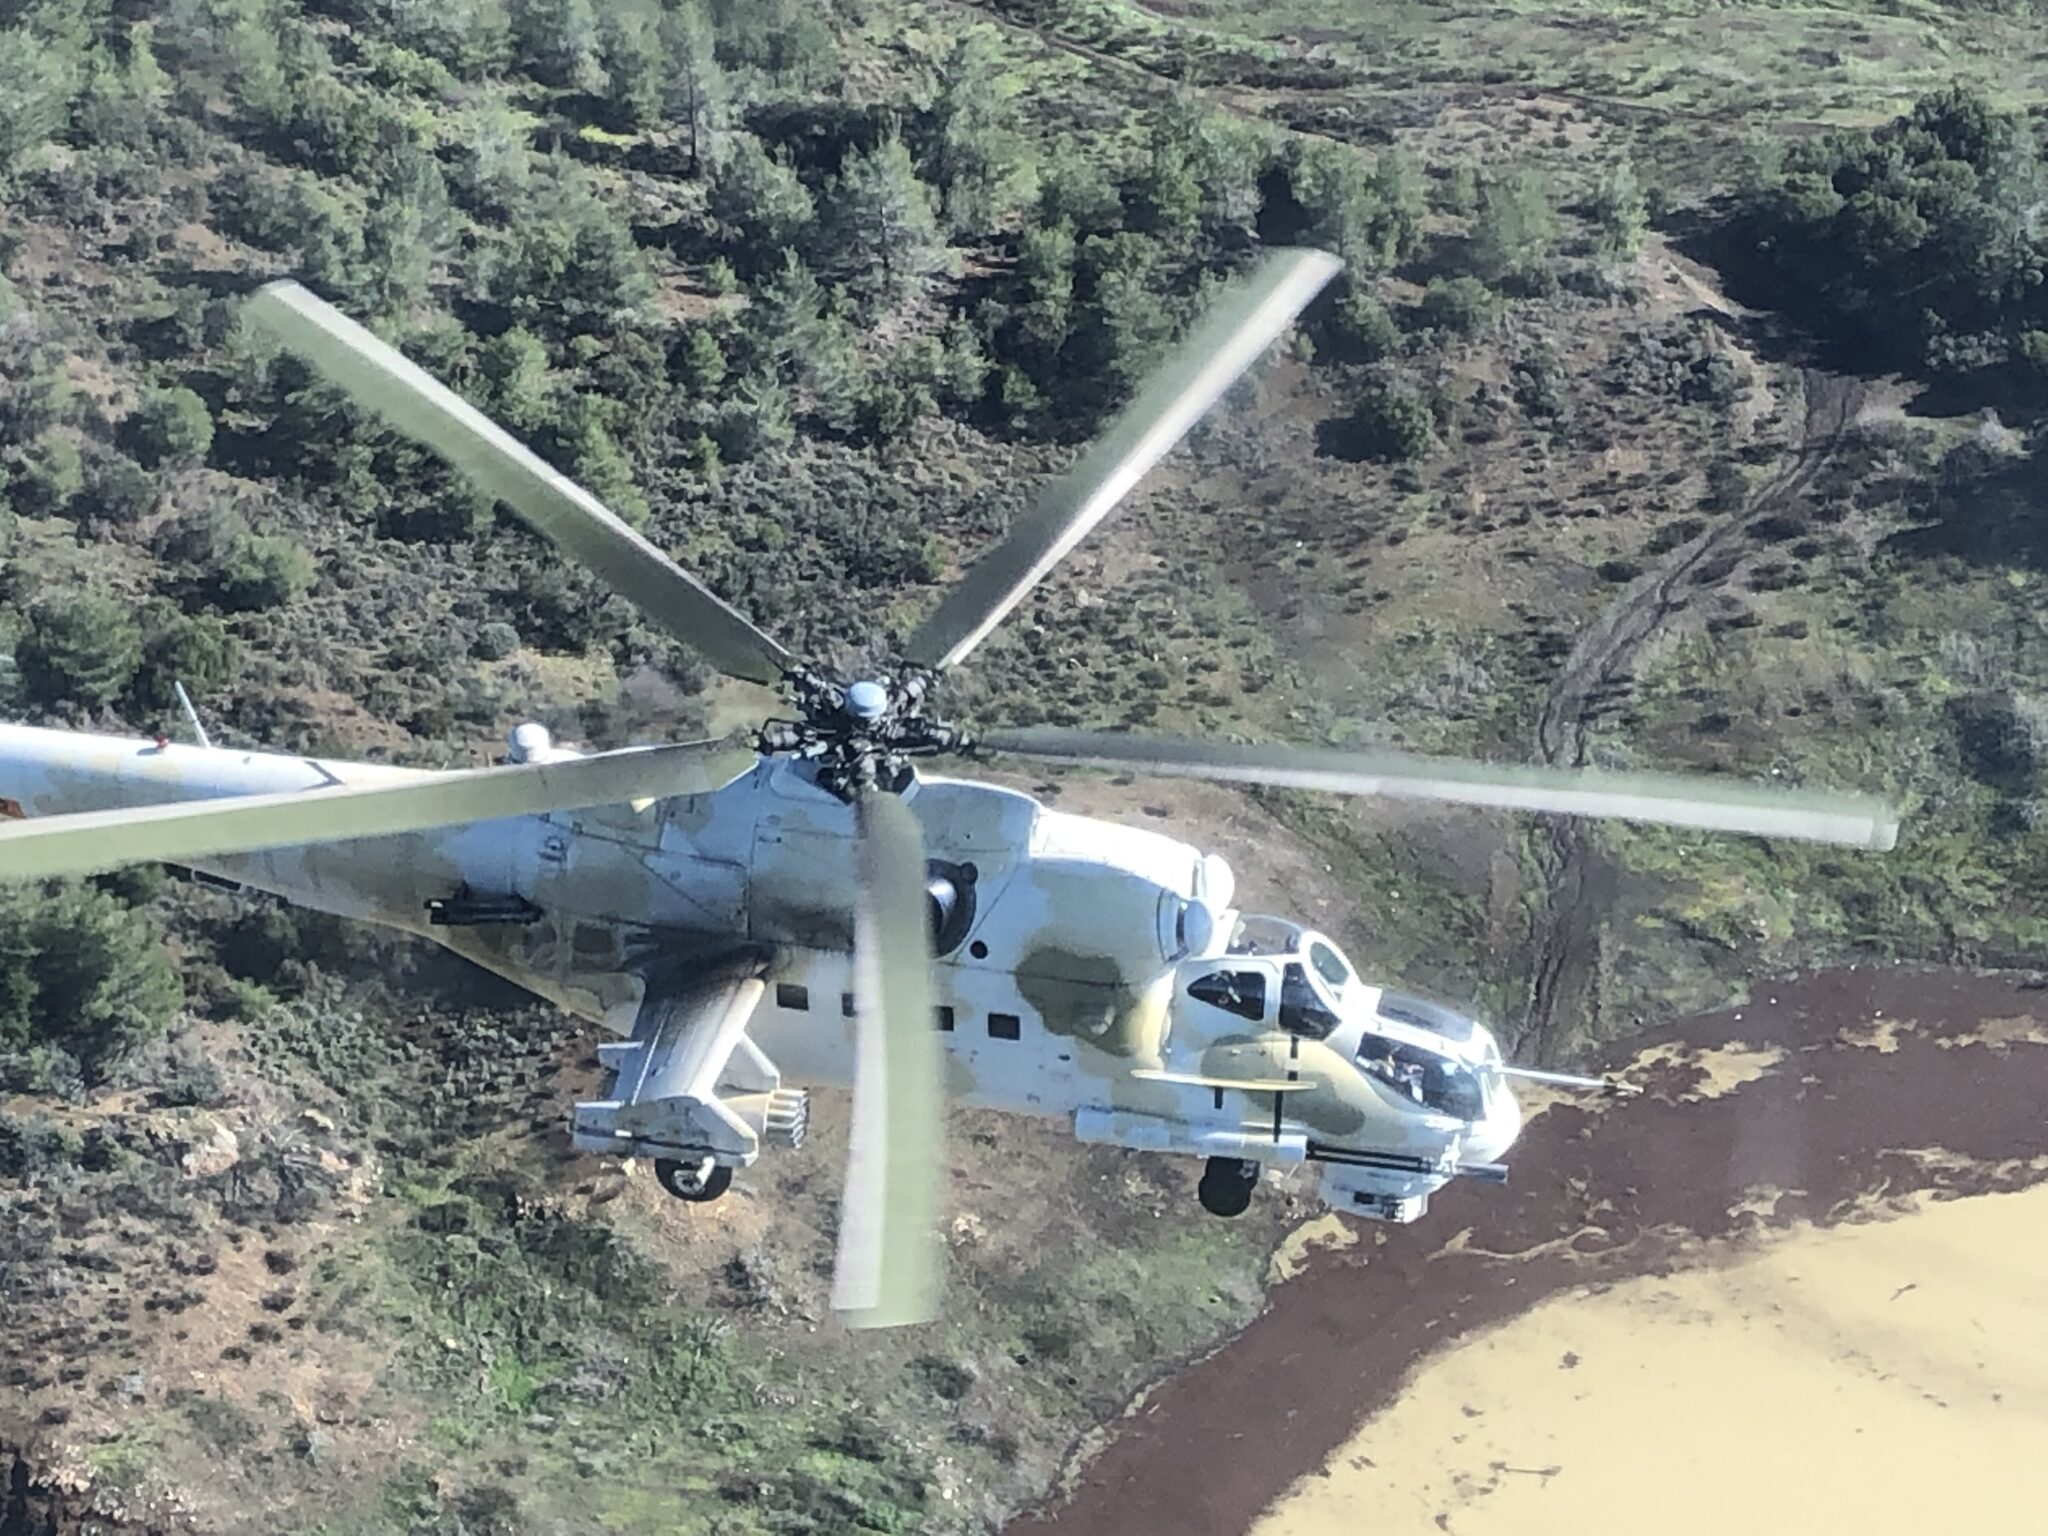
x=1227 y=1185
x=700 y=1180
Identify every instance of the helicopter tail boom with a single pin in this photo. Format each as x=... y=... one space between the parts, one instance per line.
x=61 y=773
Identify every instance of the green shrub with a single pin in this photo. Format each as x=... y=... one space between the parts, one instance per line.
x=1914 y=243
x=53 y=475
x=262 y=571
x=1393 y=421
x=1463 y=306
x=1362 y=327
x=81 y=970
x=495 y=641
x=118 y=492
x=194 y=650
x=171 y=427
x=82 y=649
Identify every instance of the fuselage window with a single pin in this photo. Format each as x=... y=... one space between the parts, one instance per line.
x=1005 y=1026
x=793 y=997
x=1302 y=1009
x=944 y=1016
x=1240 y=992
x=846 y=1005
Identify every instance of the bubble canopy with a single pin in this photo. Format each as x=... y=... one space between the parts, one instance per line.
x=1422 y=1052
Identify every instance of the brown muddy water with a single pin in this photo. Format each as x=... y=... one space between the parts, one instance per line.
x=1803 y=1281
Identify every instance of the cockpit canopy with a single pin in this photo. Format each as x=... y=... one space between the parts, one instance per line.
x=1298 y=979
x=1422 y=1076
x=1313 y=975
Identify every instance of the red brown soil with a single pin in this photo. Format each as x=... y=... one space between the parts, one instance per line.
x=1598 y=1195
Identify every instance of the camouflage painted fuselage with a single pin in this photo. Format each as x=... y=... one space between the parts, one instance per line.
x=1062 y=979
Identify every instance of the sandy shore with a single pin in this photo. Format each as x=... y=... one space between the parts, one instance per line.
x=1796 y=1285
x=1889 y=1377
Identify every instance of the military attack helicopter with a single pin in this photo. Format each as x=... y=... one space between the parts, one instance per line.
x=807 y=907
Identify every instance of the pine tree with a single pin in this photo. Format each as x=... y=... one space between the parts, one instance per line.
x=1515 y=230
x=38 y=79
x=556 y=41
x=1205 y=170
x=520 y=395
x=884 y=234
x=596 y=460
x=831 y=373
x=980 y=165
x=1127 y=322
x=702 y=364
x=961 y=376
x=82 y=649
x=498 y=167
x=1369 y=212
x=1074 y=190
x=472 y=37
x=406 y=230
x=1168 y=193
x=1621 y=214
x=696 y=98
x=1046 y=264
x=786 y=317
x=171 y=427
x=567 y=247
x=330 y=241
x=759 y=199
x=631 y=57
x=81 y=970
x=1397 y=185
x=757 y=420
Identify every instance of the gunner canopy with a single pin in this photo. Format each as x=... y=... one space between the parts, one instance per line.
x=1415 y=1072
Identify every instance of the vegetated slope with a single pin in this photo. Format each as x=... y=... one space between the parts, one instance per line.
x=818 y=293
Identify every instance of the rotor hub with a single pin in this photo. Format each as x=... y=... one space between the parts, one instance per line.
x=862 y=734
x=867 y=701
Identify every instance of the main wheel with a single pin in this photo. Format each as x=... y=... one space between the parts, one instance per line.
x=697 y=1182
x=1227 y=1185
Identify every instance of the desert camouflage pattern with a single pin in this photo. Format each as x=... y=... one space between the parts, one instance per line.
x=1075 y=974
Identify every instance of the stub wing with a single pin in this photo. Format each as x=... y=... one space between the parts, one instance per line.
x=689 y=1042
x=1245 y=1084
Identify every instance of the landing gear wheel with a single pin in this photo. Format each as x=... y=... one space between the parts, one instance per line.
x=698 y=1182
x=1227 y=1185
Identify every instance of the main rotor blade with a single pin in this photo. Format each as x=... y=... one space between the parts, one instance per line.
x=1670 y=799
x=377 y=377
x=88 y=842
x=886 y=1272
x=1246 y=318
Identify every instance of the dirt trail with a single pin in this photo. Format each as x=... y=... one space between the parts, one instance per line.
x=1565 y=949
x=1881 y=1084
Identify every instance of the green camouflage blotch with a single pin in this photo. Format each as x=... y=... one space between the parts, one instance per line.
x=1085 y=998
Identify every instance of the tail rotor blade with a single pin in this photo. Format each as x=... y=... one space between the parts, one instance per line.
x=887 y=1265
x=1719 y=805
x=383 y=381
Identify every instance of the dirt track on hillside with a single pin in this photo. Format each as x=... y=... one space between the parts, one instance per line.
x=1890 y=1082
x=1601 y=666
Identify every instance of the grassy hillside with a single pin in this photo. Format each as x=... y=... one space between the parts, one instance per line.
x=1635 y=434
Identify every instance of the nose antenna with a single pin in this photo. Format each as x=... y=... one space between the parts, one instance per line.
x=1609 y=1087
